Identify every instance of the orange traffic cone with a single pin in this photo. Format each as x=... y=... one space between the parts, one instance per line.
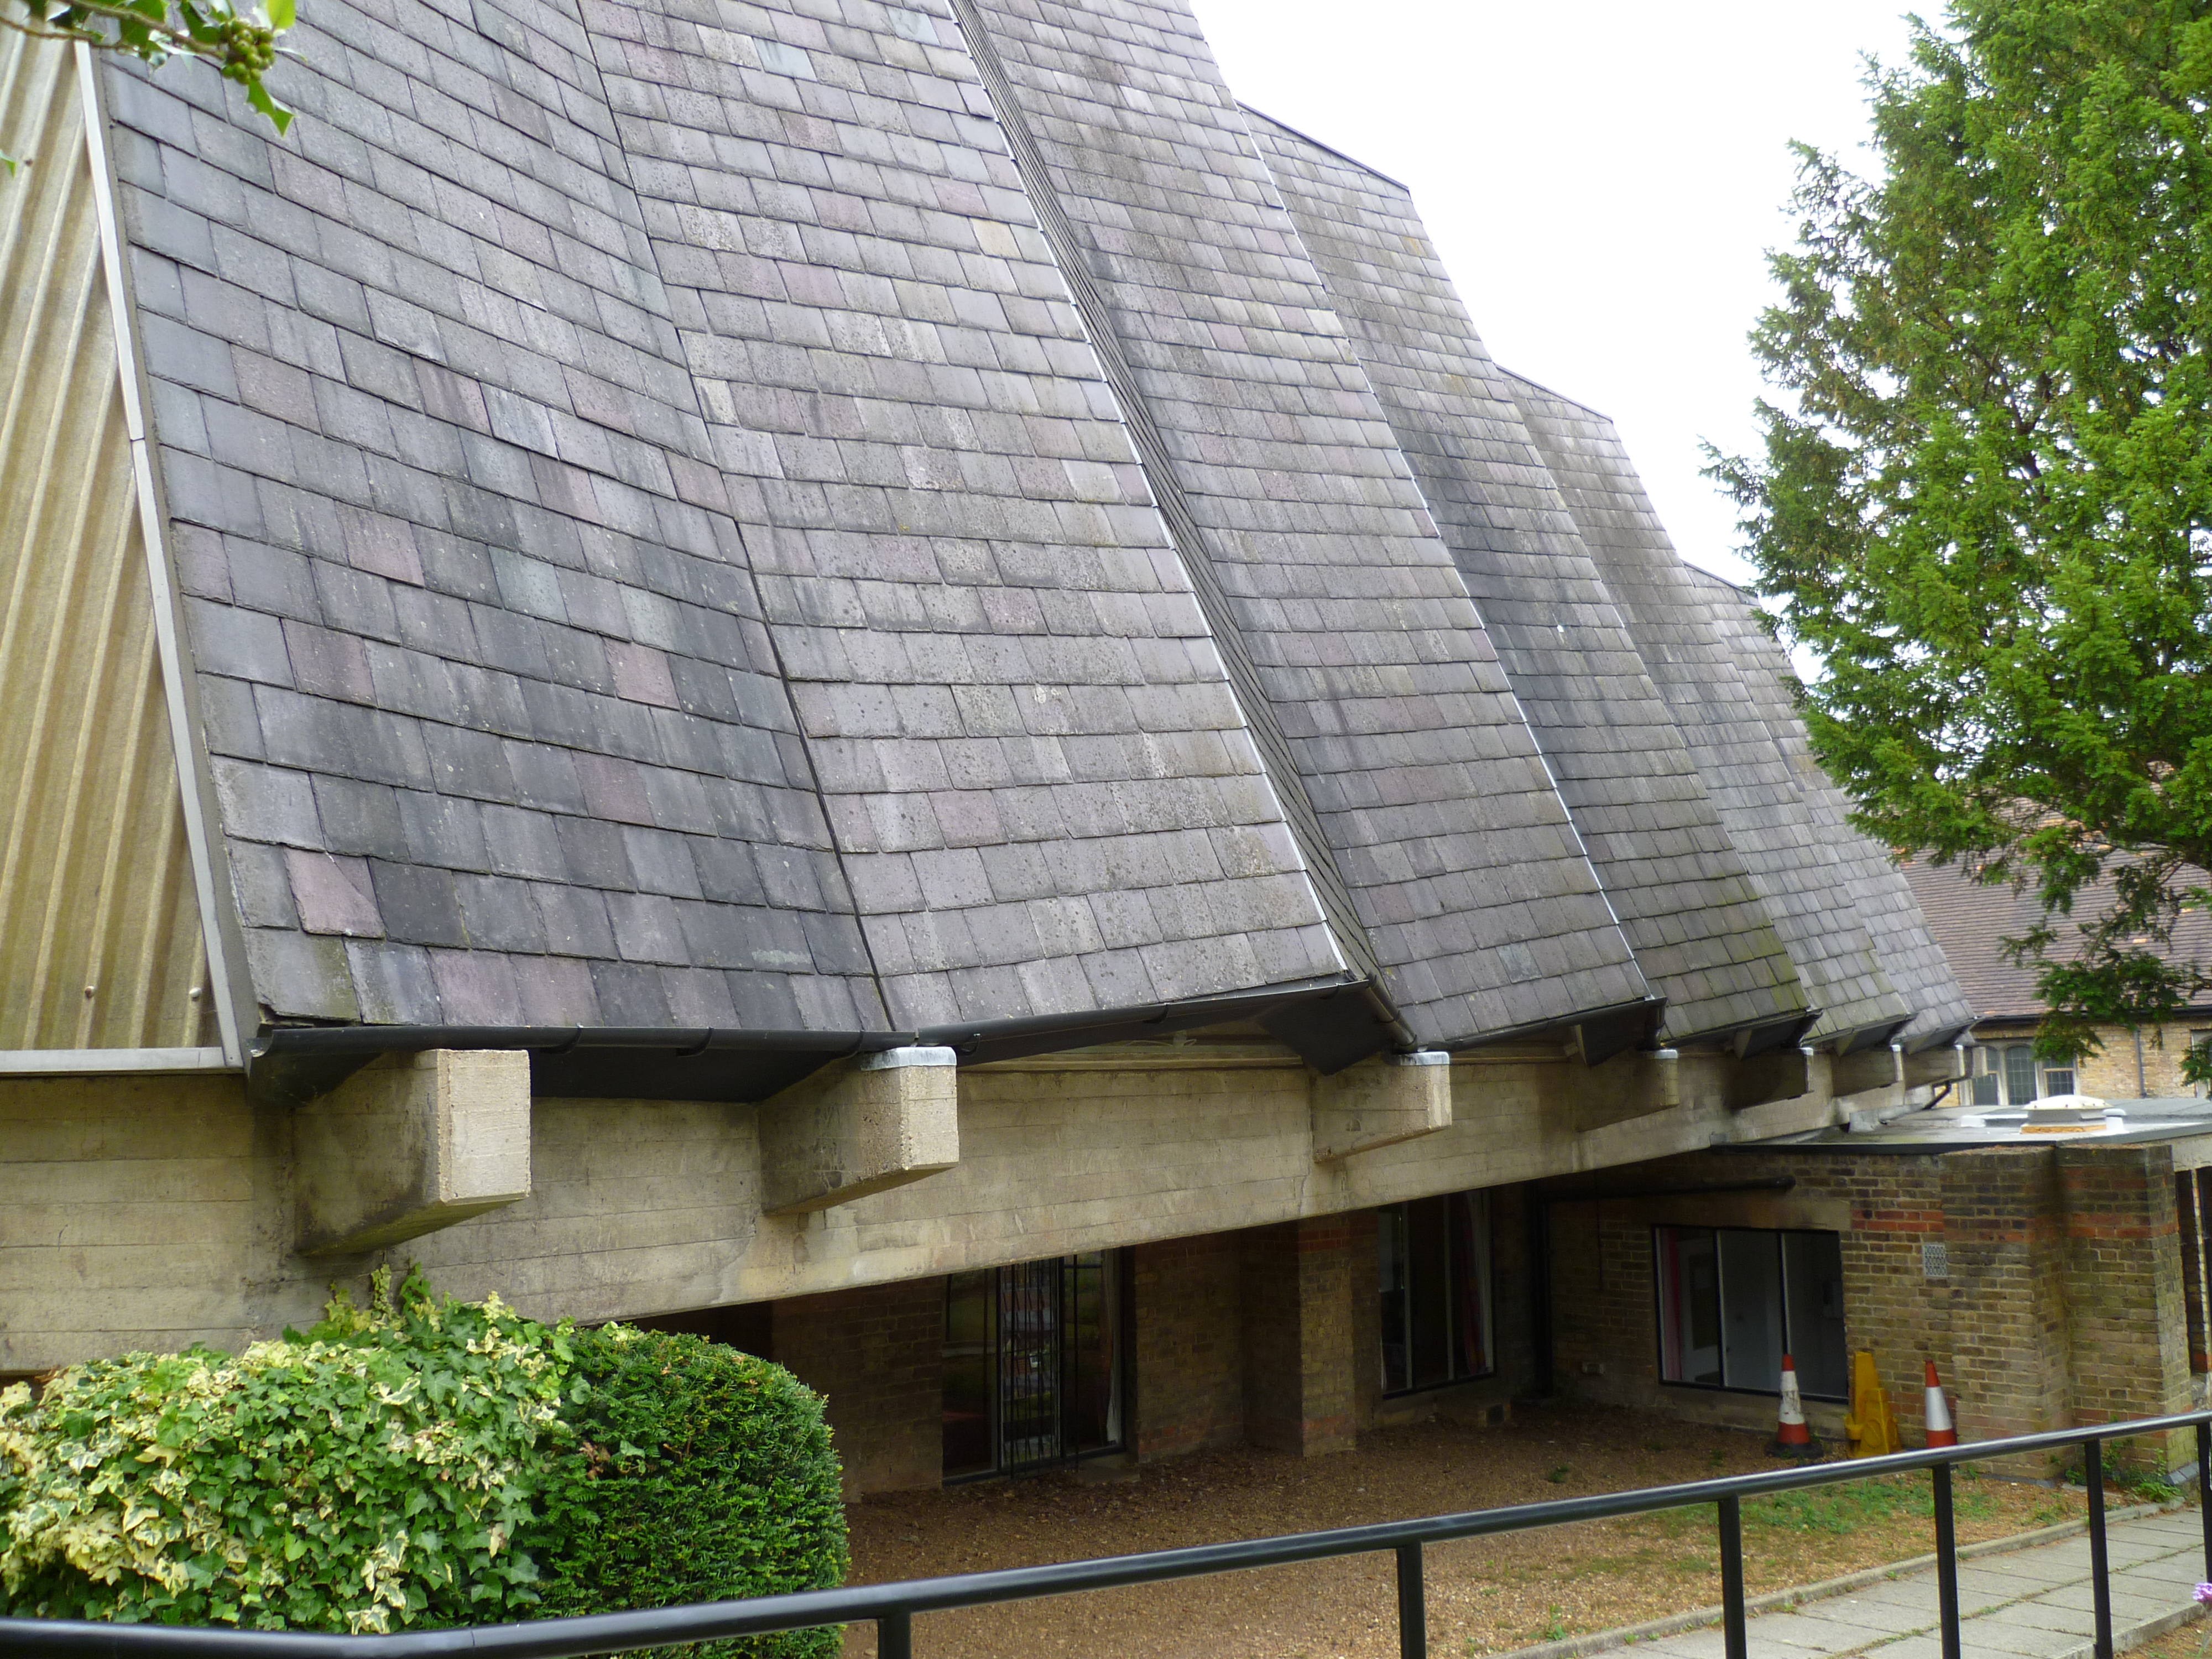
x=1791 y=1437
x=1941 y=1431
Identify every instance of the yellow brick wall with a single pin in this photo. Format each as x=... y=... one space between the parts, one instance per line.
x=2112 y=1072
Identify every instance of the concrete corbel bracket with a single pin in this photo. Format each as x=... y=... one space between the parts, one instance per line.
x=412 y=1144
x=878 y=1122
x=1381 y=1103
x=1778 y=1074
x=1630 y=1085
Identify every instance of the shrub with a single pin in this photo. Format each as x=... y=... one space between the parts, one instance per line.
x=696 y=1474
x=372 y=1473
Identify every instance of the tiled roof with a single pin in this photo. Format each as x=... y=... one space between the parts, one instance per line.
x=1970 y=921
x=1881 y=896
x=1464 y=869
x=859 y=519
x=1669 y=614
x=1685 y=899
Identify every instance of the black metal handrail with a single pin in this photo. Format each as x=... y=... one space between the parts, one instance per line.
x=892 y=1606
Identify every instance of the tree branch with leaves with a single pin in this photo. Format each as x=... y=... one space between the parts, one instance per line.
x=1985 y=498
x=241 y=44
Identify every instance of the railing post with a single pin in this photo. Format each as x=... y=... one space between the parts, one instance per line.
x=1412 y=1605
x=2204 y=1489
x=1738 y=1640
x=1946 y=1562
x=2101 y=1581
x=895 y=1636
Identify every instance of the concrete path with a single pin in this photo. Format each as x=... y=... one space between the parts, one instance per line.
x=2031 y=1603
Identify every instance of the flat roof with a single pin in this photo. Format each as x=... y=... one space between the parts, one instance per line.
x=2059 y=1121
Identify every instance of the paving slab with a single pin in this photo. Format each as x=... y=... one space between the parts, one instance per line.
x=2035 y=1602
x=1896 y=1614
x=2042 y=1615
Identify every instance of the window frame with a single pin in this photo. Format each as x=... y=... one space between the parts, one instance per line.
x=1659 y=1311
x=1114 y=1314
x=1483 y=1251
x=1993 y=1065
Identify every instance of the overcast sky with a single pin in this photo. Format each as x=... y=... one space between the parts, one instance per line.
x=1602 y=180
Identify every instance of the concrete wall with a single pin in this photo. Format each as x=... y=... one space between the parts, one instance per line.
x=151 y=1212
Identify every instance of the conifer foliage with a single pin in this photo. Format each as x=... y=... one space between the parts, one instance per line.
x=1986 y=497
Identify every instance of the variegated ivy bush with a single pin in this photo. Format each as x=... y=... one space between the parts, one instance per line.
x=372 y=1473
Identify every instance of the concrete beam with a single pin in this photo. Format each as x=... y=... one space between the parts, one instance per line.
x=1869 y=1068
x=874 y=1123
x=410 y=1145
x=1947 y=1063
x=1380 y=1102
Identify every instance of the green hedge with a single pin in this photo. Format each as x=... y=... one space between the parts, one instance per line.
x=697 y=1473
x=422 y=1462
x=370 y=1474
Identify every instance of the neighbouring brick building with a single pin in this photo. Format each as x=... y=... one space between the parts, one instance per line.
x=1971 y=922
x=879 y=678
x=2051 y=1263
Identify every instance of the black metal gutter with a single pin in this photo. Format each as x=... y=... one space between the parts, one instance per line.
x=292 y=1064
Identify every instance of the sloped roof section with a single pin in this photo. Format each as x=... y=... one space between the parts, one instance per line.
x=1670 y=617
x=1685 y=899
x=1882 y=896
x=1043 y=789
x=1970 y=922
x=659 y=551
x=1463 y=864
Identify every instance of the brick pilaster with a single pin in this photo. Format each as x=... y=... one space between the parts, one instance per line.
x=1299 y=1393
x=877 y=1355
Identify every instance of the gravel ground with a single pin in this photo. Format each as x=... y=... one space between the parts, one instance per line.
x=1484 y=1595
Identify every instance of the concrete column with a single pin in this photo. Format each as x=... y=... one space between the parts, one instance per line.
x=1299 y=1390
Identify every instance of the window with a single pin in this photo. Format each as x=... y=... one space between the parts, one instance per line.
x=2007 y=1074
x=1734 y=1300
x=1032 y=1364
x=1435 y=1292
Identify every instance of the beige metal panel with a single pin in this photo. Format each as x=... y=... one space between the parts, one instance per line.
x=101 y=942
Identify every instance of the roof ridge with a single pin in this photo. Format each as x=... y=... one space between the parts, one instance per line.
x=1301 y=134
x=1552 y=391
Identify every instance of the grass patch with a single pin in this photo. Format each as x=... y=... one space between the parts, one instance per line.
x=1836 y=1511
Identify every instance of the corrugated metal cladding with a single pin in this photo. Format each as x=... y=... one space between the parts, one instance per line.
x=99 y=934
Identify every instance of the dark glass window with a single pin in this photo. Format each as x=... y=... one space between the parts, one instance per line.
x=1434 y=1287
x=1032 y=1364
x=1732 y=1301
x=971 y=1395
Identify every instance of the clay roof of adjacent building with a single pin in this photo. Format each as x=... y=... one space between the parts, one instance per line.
x=1970 y=921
